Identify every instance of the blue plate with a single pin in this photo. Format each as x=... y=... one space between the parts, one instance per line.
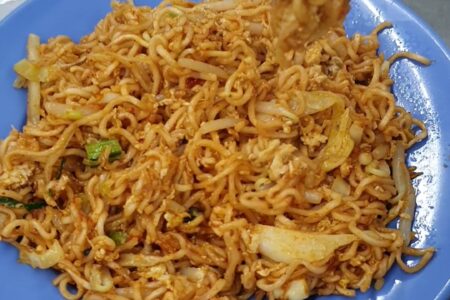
x=423 y=91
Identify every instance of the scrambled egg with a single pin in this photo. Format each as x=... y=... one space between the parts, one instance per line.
x=17 y=177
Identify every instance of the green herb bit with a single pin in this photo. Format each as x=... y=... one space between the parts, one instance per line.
x=12 y=203
x=119 y=237
x=94 y=150
x=35 y=205
x=60 y=169
x=172 y=14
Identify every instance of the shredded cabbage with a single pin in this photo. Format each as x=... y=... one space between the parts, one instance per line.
x=290 y=246
x=405 y=192
x=193 y=274
x=139 y=260
x=297 y=290
x=399 y=173
x=341 y=186
x=67 y=111
x=340 y=144
x=318 y=101
x=31 y=71
x=44 y=260
x=305 y=103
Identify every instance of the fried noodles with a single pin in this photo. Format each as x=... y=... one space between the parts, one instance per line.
x=170 y=154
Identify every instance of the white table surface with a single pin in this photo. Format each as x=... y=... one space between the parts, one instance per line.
x=435 y=12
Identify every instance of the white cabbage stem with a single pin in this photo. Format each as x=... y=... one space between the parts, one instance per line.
x=292 y=246
x=216 y=125
x=45 y=260
x=202 y=67
x=69 y=112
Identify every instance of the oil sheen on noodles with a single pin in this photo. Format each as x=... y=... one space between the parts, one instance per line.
x=174 y=154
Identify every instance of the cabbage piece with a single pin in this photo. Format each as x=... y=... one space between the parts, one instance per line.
x=319 y=101
x=405 y=192
x=341 y=186
x=399 y=173
x=44 y=260
x=69 y=112
x=308 y=103
x=140 y=260
x=193 y=274
x=297 y=290
x=291 y=246
x=340 y=144
x=219 y=5
x=119 y=237
x=216 y=125
x=301 y=104
x=31 y=71
x=274 y=109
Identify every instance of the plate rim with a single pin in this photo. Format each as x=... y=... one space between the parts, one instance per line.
x=14 y=10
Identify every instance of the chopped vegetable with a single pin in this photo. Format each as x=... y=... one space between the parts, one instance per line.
x=44 y=260
x=271 y=108
x=292 y=246
x=34 y=205
x=119 y=237
x=219 y=5
x=313 y=196
x=60 y=169
x=378 y=168
x=297 y=290
x=356 y=133
x=193 y=274
x=405 y=192
x=69 y=112
x=31 y=71
x=139 y=260
x=399 y=173
x=12 y=203
x=318 y=101
x=301 y=104
x=340 y=144
x=216 y=125
x=341 y=186
x=172 y=14
x=94 y=150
